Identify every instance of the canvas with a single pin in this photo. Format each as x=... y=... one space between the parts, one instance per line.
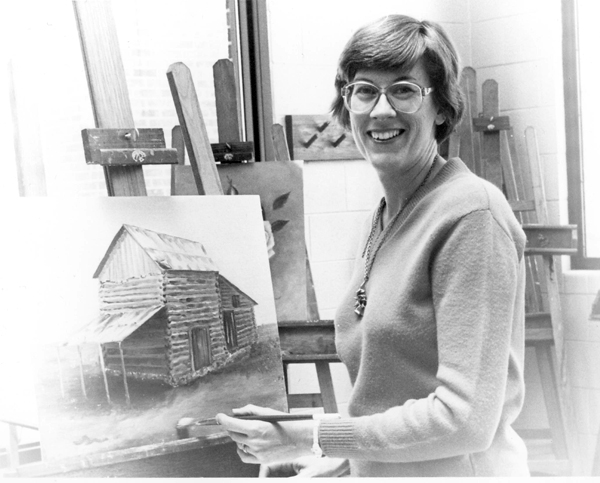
x=142 y=311
x=280 y=187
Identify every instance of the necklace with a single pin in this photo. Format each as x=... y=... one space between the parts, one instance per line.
x=361 y=294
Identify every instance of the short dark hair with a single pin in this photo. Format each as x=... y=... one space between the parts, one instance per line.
x=398 y=42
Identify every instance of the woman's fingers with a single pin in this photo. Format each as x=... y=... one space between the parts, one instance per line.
x=242 y=426
x=246 y=456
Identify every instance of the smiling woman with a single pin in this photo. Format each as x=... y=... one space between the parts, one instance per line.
x=431 y=327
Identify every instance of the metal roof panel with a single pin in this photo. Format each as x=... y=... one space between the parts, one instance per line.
x=112 y=326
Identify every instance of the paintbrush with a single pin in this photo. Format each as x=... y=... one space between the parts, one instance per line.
x=184 y=424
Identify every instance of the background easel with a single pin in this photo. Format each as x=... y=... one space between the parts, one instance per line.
x=311 y=341
x=486 y=143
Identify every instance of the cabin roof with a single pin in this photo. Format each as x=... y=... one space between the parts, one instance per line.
x=167 y=251
x=237 y=289
x=112 y=326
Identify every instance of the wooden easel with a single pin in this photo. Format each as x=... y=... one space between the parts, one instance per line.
x=311 y=341
x=486 y=143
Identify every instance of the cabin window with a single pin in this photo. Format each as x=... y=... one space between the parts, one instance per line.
x=230 y=329
x=235 y=301
x=200 y=341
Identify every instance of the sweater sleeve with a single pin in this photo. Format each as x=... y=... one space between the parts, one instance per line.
x=477 y=279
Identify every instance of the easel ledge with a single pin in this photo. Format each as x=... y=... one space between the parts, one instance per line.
x=126 y=458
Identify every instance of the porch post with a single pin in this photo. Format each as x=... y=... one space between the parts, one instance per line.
x=127 y=398
x=103 y=369
x=81 y=372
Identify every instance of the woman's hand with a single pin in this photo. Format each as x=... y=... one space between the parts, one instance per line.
x=307 y=467
x=260 y=442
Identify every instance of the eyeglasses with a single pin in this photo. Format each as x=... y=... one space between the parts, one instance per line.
x=361 y=97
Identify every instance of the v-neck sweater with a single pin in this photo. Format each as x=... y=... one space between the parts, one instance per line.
x=436 y=361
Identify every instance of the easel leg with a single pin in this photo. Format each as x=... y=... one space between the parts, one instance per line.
x=326 y=385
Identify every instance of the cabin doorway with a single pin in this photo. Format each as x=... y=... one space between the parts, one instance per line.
x=200 y=347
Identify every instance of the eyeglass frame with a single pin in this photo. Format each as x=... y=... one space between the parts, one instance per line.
x=424 y=91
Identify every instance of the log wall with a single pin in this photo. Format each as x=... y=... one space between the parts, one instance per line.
x=192 y=301
x=131 y=294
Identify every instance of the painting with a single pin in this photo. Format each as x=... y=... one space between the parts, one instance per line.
x=280 y=187
x=143 y=312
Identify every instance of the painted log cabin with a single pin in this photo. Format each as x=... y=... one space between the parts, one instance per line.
x=166 y=313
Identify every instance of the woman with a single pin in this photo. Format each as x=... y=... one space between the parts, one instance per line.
x=432 y=327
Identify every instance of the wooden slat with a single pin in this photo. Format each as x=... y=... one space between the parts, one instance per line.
x=233 y=152
x=490 y=150
x=508 y=171
x=537 y=179
x=551 y=274
x=282 y=152
x=305 y=400
x=194 y=130
x=494 y=123
x=101 y=462
x=310 y=358
x=114 y=147
x=470 y=143
x=521 y=177
x=226 y=99
x=521 y=205
x=108 y=89
x=538 y=326
x=326 y=386
x=551 y=240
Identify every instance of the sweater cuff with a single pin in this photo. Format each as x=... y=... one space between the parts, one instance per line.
x=336 y=438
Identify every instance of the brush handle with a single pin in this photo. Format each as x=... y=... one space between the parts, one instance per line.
x=276 y=418
x=269 y=418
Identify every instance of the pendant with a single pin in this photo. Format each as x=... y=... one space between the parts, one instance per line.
x=361 y=301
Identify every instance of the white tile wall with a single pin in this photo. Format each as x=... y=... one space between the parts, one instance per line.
x=324 y=187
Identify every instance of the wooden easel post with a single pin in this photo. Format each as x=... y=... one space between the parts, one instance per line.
x=226 y=99
x=194 y=131
x=299 y=331
x=108 y=89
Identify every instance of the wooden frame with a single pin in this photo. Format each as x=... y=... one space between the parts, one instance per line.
x=573 y=134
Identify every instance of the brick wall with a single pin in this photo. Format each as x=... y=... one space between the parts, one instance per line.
x=152 y=35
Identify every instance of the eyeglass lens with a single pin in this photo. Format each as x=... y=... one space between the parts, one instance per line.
x=361 y=97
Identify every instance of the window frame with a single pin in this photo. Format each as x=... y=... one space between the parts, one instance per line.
x=572 y=103
x=255 y=76
x=230 y=330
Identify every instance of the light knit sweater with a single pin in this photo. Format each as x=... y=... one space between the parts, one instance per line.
x=436 y=361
